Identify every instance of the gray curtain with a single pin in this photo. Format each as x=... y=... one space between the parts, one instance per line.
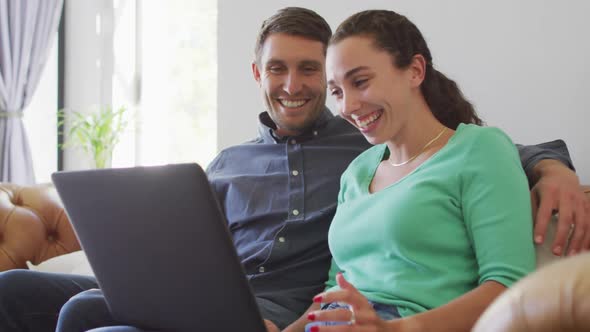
x=27 y=31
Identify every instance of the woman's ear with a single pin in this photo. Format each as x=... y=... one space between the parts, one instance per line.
x=417 y=70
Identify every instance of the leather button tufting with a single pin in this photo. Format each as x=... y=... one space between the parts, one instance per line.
x=17 y=201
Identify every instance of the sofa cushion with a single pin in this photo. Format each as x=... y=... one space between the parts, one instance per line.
x=72 y=263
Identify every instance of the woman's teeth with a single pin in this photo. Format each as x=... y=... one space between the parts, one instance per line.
x=366 y=121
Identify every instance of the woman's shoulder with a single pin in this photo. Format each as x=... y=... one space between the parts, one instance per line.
x=483 y=137
x=485 y=147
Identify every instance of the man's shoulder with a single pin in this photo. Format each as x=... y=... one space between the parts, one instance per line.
x=235 y=153
x=258 y=141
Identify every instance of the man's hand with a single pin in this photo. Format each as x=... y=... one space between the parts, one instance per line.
x=558 y=190
x=270 y=326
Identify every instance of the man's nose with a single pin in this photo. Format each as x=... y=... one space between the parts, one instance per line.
x=293 y=84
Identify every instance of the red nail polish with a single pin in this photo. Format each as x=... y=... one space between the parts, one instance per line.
x=311 y=316
x=315 y=329
x=317 y=299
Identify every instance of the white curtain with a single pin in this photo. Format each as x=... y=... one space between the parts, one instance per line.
x=27 y=31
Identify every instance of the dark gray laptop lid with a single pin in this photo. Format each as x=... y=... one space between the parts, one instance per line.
x=159 y=246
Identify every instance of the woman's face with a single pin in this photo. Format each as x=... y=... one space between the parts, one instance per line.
x=371 y=93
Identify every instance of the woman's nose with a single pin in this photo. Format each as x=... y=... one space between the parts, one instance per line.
x=349 y=104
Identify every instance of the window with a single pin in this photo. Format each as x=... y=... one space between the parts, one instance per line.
x=165 y=71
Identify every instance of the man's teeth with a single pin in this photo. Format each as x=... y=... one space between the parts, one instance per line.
x=292 y=103
x=367 y=120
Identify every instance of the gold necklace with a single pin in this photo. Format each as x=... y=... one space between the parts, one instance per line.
x=419 y=153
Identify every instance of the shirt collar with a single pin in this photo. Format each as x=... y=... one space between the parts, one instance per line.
x=266 y=127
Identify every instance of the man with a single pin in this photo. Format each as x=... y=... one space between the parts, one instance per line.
x=278 y=192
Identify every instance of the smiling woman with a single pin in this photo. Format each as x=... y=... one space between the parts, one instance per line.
x=425 y=197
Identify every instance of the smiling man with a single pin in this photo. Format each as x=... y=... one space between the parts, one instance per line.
x=278 y=191
x=290 y=72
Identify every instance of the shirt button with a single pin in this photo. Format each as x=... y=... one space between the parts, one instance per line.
x=295 y=212
x=295 y=173
x=261 y=269
x=282 y=239
x=315 y=133
x=293 y=141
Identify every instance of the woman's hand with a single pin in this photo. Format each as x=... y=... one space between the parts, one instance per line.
x=361 y=317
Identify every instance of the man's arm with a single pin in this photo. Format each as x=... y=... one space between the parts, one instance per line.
x=556 y=188
x=531 y=155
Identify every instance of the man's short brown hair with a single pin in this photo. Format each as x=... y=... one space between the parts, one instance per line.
x=295 y=21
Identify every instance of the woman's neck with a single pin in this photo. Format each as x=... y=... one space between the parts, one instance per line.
x=417 y=132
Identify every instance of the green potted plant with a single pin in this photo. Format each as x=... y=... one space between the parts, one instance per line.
x=97 y=132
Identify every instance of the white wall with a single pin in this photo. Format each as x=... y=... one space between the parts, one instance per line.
x=524 y=64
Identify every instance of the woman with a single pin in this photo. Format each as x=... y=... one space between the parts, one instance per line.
x=434 y=221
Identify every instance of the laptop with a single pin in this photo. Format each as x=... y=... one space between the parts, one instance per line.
x=159 y=246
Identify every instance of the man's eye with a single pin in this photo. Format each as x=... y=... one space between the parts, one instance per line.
x=275 y=69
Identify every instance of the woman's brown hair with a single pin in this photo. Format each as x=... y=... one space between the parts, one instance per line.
x=398 y=36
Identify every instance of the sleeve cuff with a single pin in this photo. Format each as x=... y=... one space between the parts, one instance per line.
x=530 y=155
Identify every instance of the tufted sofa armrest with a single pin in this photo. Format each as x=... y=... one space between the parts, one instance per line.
x=33 y=226
x=555 y=298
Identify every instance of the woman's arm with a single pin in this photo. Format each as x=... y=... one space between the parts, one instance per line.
x=455 y=316
x=497 y=215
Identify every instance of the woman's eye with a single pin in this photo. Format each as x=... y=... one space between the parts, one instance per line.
x=335 y=92
x=359 y=83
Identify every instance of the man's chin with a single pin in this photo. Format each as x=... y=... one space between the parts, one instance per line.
x=295 y=128
x=296 y=122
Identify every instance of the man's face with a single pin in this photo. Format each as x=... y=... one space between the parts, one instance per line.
x=291 y=75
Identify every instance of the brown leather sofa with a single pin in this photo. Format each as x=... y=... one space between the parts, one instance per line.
x=33 y=226
x=555 y=298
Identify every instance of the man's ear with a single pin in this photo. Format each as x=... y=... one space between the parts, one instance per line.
x=417 y=70
x=256 y=71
